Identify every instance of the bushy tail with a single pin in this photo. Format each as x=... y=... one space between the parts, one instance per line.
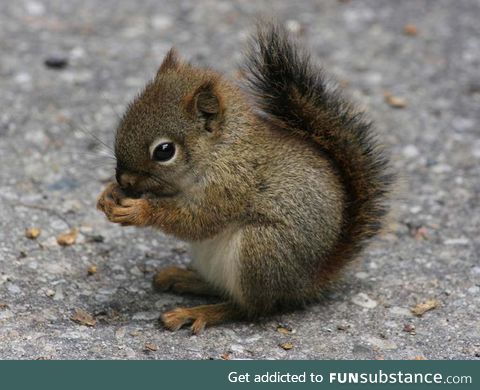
x=293 y=94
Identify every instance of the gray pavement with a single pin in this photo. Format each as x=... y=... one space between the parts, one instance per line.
x=51 y=173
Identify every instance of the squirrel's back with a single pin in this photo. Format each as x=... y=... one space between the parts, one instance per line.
x=293 y=96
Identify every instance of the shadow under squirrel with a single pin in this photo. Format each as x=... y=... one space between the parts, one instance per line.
x=276 y=187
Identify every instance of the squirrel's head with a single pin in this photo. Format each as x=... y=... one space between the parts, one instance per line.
x=172 y=130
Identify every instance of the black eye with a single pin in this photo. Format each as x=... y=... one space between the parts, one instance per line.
x=164 y=151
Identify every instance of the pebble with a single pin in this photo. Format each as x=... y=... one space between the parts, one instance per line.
x=364 y=300
x=35 y=8
x=381 y=343
x=293 y=26
x=457 y=241
x=56 y=62
x=474 y=290
x=361 y=275
x=50 y=292
x=14 y=289
x=120 y=332
x=58 y=293
x=22 y=78
x=6 y=314
x=161 y=22
x=410 y=151
x=415 y=209
x=236 y=348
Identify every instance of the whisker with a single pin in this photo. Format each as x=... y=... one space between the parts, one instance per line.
x=95 y=137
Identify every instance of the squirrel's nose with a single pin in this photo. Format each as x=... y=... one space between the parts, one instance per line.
x=126 y=180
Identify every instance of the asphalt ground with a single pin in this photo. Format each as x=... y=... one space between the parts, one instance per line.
x=101 y=53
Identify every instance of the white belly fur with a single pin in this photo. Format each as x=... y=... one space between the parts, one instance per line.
x=217 y=261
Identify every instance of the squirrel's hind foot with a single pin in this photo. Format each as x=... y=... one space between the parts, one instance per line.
x=200 y=316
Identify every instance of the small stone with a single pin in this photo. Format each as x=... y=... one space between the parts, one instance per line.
x=120 y=333
x=410 y=151
x=92 y=270
x=409 y=328
x=284 y=328
x=343 y=327
x=98 y=238
x=381 y=343
x=150 y=347
x=286 y=346
x=35 y=8
x=67 y=239
x=293 y=26
x=50 y=293
x=83 y=318
x=161 y=22
x=410 y=29
x=14 y=289
x=56 y=62
x=361 y=275
x=415 y=209
x=457 y=241
x=236 y=348
x=364 y=300
x=32 y=233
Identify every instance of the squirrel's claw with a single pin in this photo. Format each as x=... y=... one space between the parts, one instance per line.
x=130 y=212
x=175 y=319
x=200 y=316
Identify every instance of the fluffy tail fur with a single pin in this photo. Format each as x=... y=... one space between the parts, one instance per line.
x=293 y=94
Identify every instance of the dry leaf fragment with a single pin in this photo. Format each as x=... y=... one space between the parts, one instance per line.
x=395 y=101
x=69 y=238
x=151 y=347
x=3 y=306
x=410 y=29
x=225 y=356
x=286 y=346
x=418 y=358
x=92 y=270
x=422 y=308
x=32 y=233
x=83 y=318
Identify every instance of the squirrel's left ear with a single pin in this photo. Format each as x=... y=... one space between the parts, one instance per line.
x=170 y=62
x=206 y=103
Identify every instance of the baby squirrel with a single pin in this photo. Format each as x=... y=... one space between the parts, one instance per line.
x=276 y=187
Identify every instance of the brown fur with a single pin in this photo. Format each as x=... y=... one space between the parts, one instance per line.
x=288 y=197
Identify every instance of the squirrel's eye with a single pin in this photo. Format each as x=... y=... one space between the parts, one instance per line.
x=164 y=151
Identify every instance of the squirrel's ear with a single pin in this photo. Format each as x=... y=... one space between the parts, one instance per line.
x=206 y=102
x=206 y=99
x=170 y=62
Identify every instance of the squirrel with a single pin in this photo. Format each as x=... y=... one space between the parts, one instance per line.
x=276 y=184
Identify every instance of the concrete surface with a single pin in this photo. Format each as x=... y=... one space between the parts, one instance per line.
x=51 y=173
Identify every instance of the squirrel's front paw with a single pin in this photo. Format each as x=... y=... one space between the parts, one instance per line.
x=130 y=212
x=120 y=209
x=110 y=196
